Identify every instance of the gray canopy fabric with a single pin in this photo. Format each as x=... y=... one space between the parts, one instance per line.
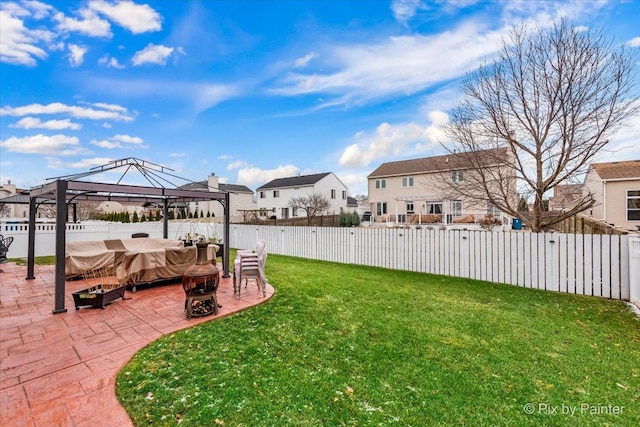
x=69 y=189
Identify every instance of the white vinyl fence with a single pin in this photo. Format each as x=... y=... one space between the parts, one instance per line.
x=595 y=265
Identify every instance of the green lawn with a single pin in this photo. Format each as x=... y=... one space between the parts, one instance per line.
x=348 y=345
x=39 y=260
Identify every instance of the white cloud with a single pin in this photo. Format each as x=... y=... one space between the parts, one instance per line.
x=109 y=145
x=404 y=10
x=238 y=164
x=634 y=42
x=110 y=107
x=18 y=45
x=251 y=176
x=54 y=145
x=137 y=18
x=119 y=141
x=152 y=54
x=39 y=10
x=128 y=139
x=207 y=96
x=176 y=155
x=35 y=123
x=71 y=110
x=110 y=62
x=90 y=24
x=89 y=163
x=395 y=140
x=201 y=96
x=304 y=61
x=396 y=65
x=76 y=54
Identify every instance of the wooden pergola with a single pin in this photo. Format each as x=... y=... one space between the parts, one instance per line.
x=70 y=189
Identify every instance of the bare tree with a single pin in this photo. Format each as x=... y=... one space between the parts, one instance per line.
x=87 y=210
x=313 y=204
x=553 y=98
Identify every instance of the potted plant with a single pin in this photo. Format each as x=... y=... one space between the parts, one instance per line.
x=218 y=242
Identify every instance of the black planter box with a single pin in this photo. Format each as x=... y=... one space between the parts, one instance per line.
x=98 y=296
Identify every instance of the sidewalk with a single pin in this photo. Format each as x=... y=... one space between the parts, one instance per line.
x=60 y=369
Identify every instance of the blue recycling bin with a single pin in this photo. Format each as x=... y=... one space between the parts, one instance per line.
x=516 y=224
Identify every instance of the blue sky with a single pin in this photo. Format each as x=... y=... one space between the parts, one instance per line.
x=252 y=90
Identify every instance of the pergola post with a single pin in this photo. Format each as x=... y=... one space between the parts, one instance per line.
x=31 y=251
x=165 y=218
x=225 y=236
x=61 y=232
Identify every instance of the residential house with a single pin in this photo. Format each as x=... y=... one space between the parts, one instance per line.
x=240 y=199
x=8 y=210
x=274 y=196
x=565 y=197
x=423 y=190
x=352 y=205
x=615 y=186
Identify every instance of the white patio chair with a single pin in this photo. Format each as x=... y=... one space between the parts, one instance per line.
x=250 y=265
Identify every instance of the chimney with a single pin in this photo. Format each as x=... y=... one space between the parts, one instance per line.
x=212 y=182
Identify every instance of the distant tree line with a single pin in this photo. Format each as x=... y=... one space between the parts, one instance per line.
x=126 y=217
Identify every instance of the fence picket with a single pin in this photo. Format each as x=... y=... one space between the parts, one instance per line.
x=605 y=267
x=562 y=276
x=615 y=268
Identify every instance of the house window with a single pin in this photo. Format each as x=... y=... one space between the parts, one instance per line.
x=381 y=184
x=409 y=207
x=276 y=193
x=456 y=176
x=493 y=210
x=434 y=208
x=456 y=207
x=284 y=213
x=407 y=182
x=333 y=194
x=344 y=195
x=294 y=211
x=263 y=195
x=381 y=208
x=633 y=205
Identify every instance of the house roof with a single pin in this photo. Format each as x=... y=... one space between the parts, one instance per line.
x=351 y=201
x=447 y=162
x=294 y=181
x=23 y=199
x=617 y=170
x=204 y=186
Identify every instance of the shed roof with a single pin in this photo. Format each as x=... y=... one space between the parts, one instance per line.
x=617 y=170
x=447 y=162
